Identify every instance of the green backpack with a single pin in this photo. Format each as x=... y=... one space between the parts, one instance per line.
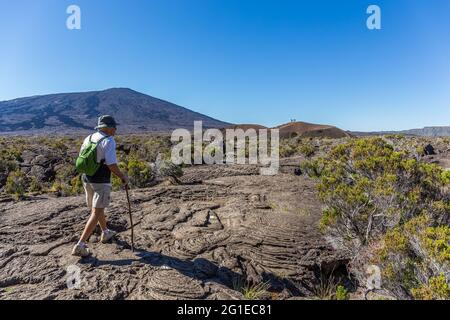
x=87 y=160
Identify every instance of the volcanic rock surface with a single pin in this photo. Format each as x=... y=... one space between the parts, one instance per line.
x=196 y=240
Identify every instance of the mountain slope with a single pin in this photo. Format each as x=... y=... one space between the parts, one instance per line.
x=74 y=112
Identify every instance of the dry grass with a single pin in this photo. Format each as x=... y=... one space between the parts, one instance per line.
x=250 y=291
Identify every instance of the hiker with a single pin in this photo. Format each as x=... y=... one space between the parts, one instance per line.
x=97 y=185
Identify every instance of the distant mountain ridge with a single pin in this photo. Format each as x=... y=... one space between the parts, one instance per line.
x=78 y=112
x=442 y=131
x=429 y=131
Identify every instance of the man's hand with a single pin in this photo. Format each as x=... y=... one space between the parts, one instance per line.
x=122 y=176
x=125 y=180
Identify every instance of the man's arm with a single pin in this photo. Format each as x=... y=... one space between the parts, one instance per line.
x=115 y=169
x=111 y=160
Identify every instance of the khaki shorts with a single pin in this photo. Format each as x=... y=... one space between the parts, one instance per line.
x=98 y=195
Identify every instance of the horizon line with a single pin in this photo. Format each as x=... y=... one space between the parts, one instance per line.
x=231 y=122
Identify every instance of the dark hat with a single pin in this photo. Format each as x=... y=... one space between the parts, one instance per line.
x=106 y=122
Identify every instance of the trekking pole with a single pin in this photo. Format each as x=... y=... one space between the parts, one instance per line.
x=131 y=218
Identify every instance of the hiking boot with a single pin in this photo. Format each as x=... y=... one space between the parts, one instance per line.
x=81 y=251
x=107 y=235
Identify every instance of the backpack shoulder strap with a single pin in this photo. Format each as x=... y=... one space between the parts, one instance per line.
x=103 y=138
x=96 y=143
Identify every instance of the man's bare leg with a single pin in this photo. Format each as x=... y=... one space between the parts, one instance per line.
x=100 y=213
x=97 y=216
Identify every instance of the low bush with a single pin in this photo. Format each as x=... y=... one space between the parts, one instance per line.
x=375 y=195
x=16 y=184
x=307 y=150
x=341 y=293
x=139 y=173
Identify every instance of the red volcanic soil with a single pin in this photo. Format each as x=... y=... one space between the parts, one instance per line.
x=298 y=129
x=304 y=129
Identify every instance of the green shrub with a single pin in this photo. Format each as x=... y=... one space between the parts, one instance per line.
x=341 y=293
x=35 y=186
x=148 y=149
x=139 y=173
x=115 y=181
x=437 y=288
x=7 y=165
x=16 y=184
x=415 y=252
x=76 y=185
x=286 y=150
x=377 y=197
x=12 y=153
x=368 y=187
x=395 y=136
x=61 y=187
x=67 y=182
x=307 y=150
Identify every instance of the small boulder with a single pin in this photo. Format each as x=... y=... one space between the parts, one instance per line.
x=429 y=150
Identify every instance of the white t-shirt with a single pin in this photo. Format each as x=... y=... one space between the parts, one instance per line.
x=106 y=150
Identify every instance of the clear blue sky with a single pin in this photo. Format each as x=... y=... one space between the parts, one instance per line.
x=242 y=61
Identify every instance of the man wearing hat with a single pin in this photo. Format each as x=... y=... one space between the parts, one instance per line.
x=98 y=187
